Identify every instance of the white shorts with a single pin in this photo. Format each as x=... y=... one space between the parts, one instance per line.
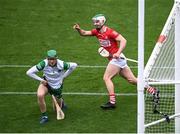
x=120 y=62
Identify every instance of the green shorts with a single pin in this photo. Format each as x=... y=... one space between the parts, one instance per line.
x=56 y=92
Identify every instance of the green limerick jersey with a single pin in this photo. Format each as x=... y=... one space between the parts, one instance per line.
x=53 y=75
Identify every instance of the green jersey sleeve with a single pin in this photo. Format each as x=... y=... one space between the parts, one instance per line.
x=66 y=65
x=40 y=66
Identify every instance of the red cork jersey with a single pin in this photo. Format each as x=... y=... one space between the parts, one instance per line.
x=107 y=39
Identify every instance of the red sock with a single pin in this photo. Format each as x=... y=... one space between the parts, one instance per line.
x=151 y=90
x=112 y=98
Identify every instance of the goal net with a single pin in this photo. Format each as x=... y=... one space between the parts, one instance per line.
x=160 y=73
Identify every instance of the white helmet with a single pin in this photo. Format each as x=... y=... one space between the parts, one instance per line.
x=99 y=20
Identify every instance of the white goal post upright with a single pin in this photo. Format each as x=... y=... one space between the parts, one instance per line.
x=140 y=85
x=170 y=35
x=177 y=67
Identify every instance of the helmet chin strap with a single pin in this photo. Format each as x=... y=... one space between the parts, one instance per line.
x=100 y=29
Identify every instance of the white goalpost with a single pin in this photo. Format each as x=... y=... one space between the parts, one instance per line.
x=140 y=84
x=177 y=67
x=162 y=71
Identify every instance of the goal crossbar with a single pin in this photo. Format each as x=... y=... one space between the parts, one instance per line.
x=164 y=82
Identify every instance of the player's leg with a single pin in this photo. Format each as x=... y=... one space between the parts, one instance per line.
x=110 y=72
x=41 y=93
x=129 y=76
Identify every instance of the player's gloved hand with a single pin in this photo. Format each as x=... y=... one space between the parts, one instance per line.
x=76 y=26
x=44 y=82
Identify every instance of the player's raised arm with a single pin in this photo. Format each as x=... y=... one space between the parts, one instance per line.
x=81 y=31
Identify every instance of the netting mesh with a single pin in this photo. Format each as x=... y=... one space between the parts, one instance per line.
x=165 y=106
x=161 y=67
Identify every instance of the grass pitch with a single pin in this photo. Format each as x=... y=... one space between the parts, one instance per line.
x=28 y=28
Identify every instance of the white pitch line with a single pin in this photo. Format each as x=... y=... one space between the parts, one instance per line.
x=15 y=66
x=69 y=93
x=79 y=66
x=26 y=66
x=88 y=66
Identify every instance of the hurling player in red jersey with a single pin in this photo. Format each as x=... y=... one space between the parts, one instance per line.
x=114 y=43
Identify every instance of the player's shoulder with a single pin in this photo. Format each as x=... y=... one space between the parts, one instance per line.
x=111 y=32
x=42 y=64
x=94 y=31
x=109 y=29
x=60 y=63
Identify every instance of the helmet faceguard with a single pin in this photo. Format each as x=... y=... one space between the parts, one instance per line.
x=99 y=20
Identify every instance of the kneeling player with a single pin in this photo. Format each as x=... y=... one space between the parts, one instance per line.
x=54 y=72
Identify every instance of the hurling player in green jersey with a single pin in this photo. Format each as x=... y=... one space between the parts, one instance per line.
x=54 y=71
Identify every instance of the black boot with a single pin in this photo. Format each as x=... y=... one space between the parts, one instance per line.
x=108 y=106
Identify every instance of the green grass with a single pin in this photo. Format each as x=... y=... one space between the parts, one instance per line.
x=28 y=28
x=21 y=114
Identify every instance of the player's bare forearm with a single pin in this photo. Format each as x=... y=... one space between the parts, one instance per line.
x=81 y=31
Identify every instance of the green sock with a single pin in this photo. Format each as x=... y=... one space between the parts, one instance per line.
x=44 y=114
